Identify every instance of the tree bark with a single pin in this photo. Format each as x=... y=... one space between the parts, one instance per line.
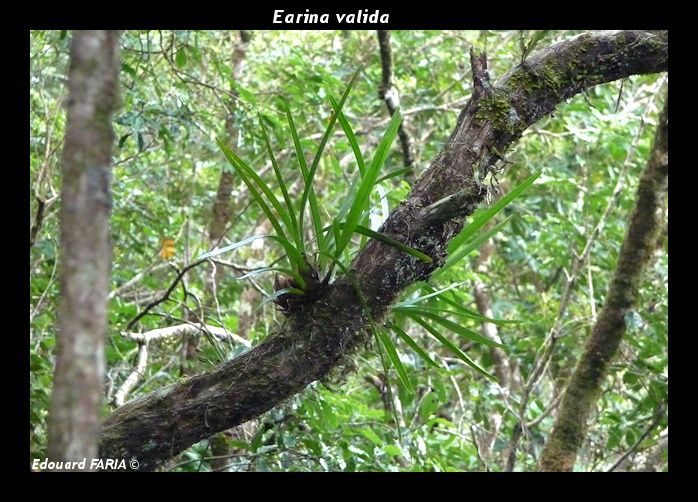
x=323 y=334
x=389 y=93
x=86 y=246
x=560 y=450
x=221 y=206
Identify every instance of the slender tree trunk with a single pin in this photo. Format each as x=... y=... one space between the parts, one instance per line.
x=389 y=94
x=582 y=391
x=221 y=206
x=326 y=331
x=74 y=419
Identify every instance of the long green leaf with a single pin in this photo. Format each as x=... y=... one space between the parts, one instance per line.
x=278 y=293
x=414 y=345
x=395 y=359
x=374 y=330
x=300 y=155
x=291 y=252
x=472 y=245
x=396 y=172
x=356 y=212
x=317 y=222
x=351 y=137
x=481 y=218
x=461 y=312
x=297 y=237
x=245 y=172
x=452 y=326
x=359 y=229
x=453 y=348
x=412 y=301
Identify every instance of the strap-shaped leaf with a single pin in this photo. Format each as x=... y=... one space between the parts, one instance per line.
x=297 y=237
x=317 y=222
x=359 y=229
x=481 y=218
x=415 y=312
x=395 y=359
x=351 y=137
x=472 y=245
x=360 y=202
x=453 y=348
x=414 y=345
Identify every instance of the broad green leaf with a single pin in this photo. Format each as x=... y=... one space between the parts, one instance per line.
x=371 y=436
x=181 y=57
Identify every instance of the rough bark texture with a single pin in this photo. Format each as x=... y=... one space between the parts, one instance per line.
x=85 y=246
x=324 y=332
x=560 y=450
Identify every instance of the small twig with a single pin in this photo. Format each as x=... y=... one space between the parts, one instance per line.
x=389 y=94
x=136 y=374
x=185 y=329
x=145 y=338
x=165 y=295
x=553 y=404
x=659 y=414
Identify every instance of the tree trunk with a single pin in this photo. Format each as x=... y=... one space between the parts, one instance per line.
x=389 y=93
x=560 y=450
x=86 y=246
x=323 y=334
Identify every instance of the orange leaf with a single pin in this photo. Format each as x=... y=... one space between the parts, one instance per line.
x=168 y=249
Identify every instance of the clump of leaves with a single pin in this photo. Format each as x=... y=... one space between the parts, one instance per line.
x=310 y=269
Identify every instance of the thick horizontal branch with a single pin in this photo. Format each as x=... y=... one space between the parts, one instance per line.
x=319 y=337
